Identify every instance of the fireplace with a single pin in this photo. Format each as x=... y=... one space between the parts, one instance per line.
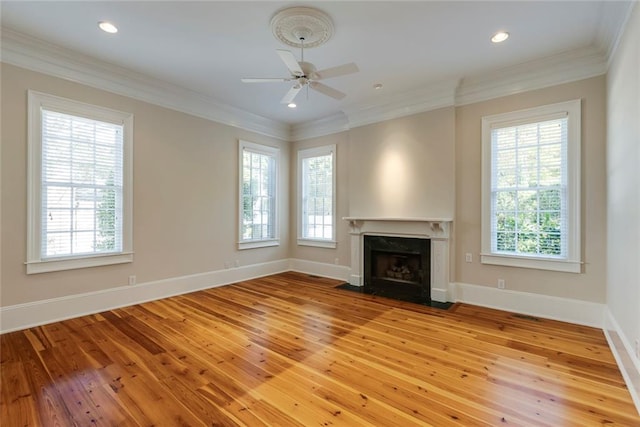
x=434 y=232
x=398 y=267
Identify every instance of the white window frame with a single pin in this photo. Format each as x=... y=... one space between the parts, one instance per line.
x=306 y=154
x=275 y=154
x=36 y=263
x=572 y=261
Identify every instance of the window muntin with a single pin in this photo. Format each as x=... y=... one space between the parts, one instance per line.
x=80 y=204
x=316 y=196
x=531 y=164
x=258 y=201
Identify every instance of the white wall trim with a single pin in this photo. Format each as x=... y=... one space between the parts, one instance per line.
x=433 y=97
x=623 y=352
x=333 y=271
x=440 y=294
x=34 y=54
x=558 y=69
x=612 y=26
x=321 y=127
x=545 y=306
x=22 y=316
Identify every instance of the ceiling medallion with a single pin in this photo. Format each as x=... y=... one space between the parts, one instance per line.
x=302 y=26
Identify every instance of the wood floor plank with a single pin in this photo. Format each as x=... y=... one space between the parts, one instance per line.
x=292 y=350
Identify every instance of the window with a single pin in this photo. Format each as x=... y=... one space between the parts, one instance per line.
x=531 y=188
x=80 y=181
x=258 y=201
x=316 y=197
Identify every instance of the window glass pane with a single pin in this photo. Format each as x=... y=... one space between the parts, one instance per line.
x=528 y=179
x=82 y=178
x=258 y=195
x=57 y=244
x=317 y=197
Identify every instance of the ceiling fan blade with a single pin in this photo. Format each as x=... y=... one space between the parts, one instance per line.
x=267 y=80
x=291 y=94
x=340 y=70
x=329 y=91
x=290 y=61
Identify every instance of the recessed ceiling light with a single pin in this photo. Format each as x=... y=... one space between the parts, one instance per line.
x=377 y=86
x=500 y=36
x=107 y=27
x=292 y=105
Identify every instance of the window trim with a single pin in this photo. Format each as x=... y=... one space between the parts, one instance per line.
x=572 y=262
x=305 y=154
x=268 y=151
x=37 y=101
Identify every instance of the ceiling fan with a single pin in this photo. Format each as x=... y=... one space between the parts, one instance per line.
x=304 y=74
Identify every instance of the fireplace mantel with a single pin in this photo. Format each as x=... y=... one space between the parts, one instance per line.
x=438 y=230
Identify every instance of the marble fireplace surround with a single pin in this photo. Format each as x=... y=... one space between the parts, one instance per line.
x=438 y=230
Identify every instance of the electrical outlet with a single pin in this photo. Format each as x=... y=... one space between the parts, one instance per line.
x=638 y=349
x=237 y=263
x=500 y=283
x=132 y=280
x=468 y=257
x=336 y=261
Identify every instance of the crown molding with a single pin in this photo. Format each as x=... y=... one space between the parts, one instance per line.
x=321 y=127
x=38 y=55
x=558 y=69
x=554 y=70
x=392 y=107
x=612 y=27
x=433 y=97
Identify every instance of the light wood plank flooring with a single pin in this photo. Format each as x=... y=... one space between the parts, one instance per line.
x=291 y=350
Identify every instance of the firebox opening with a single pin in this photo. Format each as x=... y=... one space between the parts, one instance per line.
x=398 y=267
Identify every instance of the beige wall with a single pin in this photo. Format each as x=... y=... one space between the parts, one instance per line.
x=397 y=168
x=185 y=194
x=623 y=184
x=341 y=254
x=185 y=190
x=590 y=284
x=403 y=167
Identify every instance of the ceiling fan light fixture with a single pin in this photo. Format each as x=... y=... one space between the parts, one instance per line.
x=499 y=37
x=107 y=27
x=292 y=105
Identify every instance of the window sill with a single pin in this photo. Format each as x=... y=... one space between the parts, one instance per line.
x=60 y=264
x=566 y=266
x=258 y=244
x=317 y=243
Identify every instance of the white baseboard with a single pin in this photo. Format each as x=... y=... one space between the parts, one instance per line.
x=623 y=352
x=22 y=316
x=440 y=295
x=549 y=307
x=355 y=280
x=332 y=271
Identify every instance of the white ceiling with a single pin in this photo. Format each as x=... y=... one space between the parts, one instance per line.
x=207 y=47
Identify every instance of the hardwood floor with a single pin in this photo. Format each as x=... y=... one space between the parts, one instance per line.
x=290 y=350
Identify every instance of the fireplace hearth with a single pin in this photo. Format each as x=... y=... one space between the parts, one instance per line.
x=398 y=267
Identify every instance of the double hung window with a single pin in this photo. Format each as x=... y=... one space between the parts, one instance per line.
x=258 y=195
x=531 y=188
x=80 y=182
x=316 y=197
